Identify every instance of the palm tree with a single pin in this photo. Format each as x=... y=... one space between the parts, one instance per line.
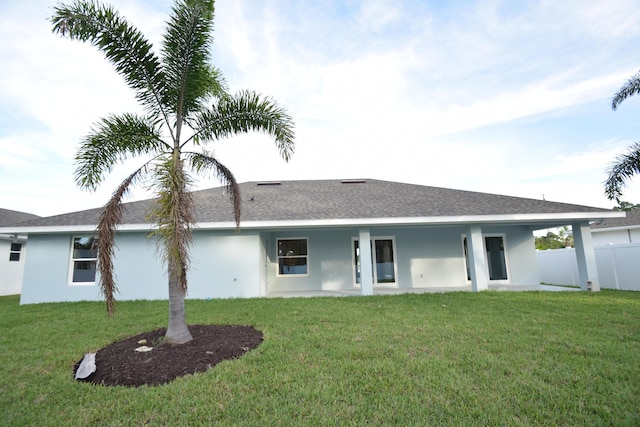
x=628 y=164
x=187 y=107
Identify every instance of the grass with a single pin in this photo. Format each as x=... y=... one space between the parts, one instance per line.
x=490 y=358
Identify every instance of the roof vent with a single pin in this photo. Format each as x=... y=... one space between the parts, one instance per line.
x=269 y=183
x=354 y=181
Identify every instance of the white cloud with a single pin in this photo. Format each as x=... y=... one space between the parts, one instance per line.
x=376 y=15
x=391 y=90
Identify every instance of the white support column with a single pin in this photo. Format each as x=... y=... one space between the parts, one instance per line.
x=477 y=259
x=366 y=263
x=586 y=257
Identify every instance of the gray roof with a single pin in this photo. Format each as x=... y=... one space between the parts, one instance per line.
x=9 y=217
x=631 y=220
x=336 y=199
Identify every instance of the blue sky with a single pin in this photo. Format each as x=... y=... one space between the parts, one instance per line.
x=508 y=97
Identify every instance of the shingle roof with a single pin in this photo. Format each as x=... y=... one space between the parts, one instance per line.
x=9 y=217
x=335 y=199
x=631 y=220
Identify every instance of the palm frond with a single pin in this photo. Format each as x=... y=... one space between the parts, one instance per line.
x=110 y=218
x=630 y=88
x=186 y=49
x=621 y=170
x=180 y=88
x=124 y=45
x=206 y=163
x=244 y=112
x=174 y=214
x=112 y=141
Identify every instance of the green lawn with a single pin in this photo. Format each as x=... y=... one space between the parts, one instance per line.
x=490 y=358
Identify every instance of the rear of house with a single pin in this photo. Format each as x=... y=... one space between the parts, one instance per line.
x=226 y=264
x=349 y=236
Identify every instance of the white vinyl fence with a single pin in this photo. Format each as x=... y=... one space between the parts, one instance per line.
x=618 y=266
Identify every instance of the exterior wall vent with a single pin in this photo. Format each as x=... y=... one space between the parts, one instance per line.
x=354 y=181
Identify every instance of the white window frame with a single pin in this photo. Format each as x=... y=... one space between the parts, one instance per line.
x=278 y=257
x=506 y=257
x=74 y=260
x=354 y=262
x=373 y=261
x=13 y=252
x=465 y=258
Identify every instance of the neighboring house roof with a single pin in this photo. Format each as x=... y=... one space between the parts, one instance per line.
x=346 y=201
x=9 y=217
x=631 y=220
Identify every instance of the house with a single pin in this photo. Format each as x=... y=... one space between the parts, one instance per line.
x=12 y=252
x=355 y=236
x=617 y=230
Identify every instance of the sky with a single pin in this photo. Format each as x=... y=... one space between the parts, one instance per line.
x=506 y=97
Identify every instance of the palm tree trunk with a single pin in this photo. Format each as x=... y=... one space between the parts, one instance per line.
x=177 y=331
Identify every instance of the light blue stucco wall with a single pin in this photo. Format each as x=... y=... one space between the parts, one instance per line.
x=426 y=257
x=523 y=262
x=244 y=264
x=226 y=265
x=329 y=261
x=223 y=265
x=429 y=257
x=139 y=272
x=46 y=272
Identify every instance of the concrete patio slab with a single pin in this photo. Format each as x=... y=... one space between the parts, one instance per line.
x=386 y=290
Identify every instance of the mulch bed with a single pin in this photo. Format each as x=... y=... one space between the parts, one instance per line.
x=119 y=363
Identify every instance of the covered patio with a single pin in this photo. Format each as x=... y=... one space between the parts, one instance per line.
x=398 y=291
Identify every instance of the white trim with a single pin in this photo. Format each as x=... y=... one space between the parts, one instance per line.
x=465 y=259
x=503 y=236
x=375 y=260
x=19 y=252
x=625 y=227
x=354 y=262
x=546 y=220
x=278 y=274
x=426 y=220
x=72 y=261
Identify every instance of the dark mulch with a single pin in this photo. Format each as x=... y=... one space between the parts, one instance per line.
x=119 y=363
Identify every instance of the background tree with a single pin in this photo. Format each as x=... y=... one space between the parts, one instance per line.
x=626 y=206
x=187 y=107
x=628 y=164
x=563 y=239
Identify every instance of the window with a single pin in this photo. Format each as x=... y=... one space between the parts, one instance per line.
x=83 y=260
x=384 y=266
x=292 y=257
x=14 y=251
x=496 y=258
